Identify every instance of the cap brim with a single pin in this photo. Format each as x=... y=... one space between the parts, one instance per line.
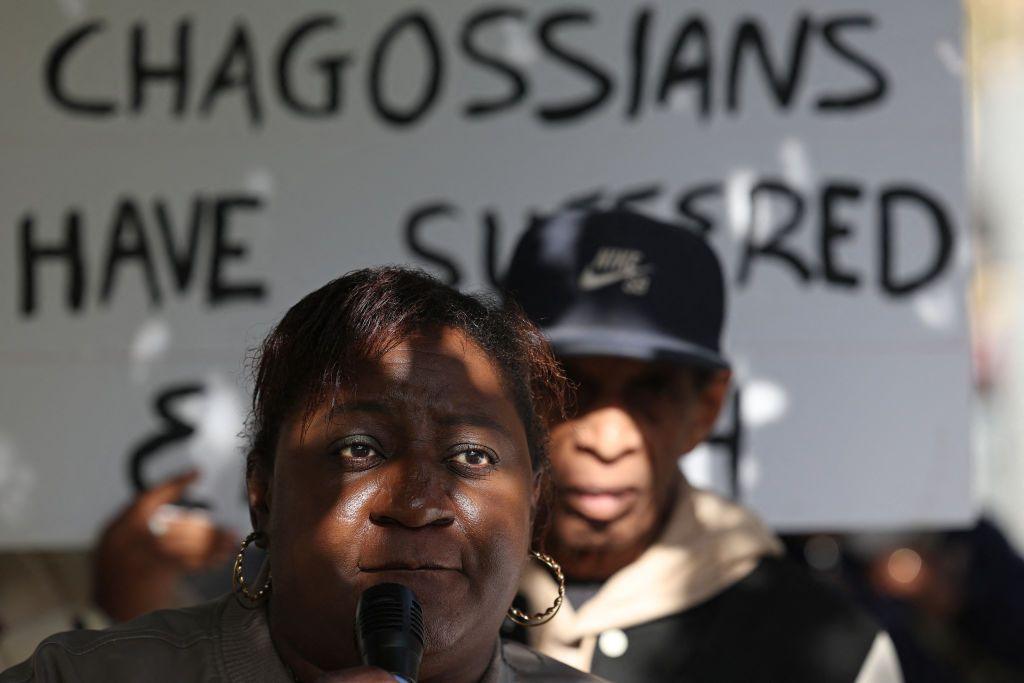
x=575 y=340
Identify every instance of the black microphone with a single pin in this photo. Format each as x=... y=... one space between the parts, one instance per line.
x=389 y=629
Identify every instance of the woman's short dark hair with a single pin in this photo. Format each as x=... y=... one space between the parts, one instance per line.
x=359 y=317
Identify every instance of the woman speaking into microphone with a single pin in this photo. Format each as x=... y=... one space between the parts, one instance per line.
x=397 y=437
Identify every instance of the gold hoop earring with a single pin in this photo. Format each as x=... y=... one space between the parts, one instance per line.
x=539 y=618
x=238 y=584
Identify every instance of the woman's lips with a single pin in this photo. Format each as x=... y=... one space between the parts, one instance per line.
x=427 y=582
x=597 y=504
x=410 y=567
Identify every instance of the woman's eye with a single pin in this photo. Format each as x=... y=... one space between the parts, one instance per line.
x=357 y=451
x=476 y=458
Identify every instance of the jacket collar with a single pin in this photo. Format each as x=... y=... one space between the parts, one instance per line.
x=248 y=654
x=708 y=544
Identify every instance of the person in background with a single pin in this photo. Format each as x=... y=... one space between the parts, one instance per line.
x=952 y=600
x=141 y=562
x=666 y=582
x=148 y=550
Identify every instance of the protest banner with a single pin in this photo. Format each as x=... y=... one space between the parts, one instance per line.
x=174 y=176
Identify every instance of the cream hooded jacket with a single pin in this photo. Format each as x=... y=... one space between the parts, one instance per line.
x=709 y=546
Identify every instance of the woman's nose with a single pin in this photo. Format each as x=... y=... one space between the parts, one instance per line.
x=413 y=496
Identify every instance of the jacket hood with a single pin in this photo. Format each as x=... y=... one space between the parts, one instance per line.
x=708 y=544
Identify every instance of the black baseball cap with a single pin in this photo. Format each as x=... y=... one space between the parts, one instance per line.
x=616 y=283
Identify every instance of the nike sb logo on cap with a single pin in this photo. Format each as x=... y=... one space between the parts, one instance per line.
x=615 y=265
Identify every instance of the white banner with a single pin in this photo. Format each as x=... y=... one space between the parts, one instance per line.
x=175 y=175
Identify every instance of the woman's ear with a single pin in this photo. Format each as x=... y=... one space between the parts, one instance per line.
x=536 y=495
x=258 y=483
x=540 y=499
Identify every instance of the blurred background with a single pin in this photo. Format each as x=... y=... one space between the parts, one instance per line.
x=173 y=178
x=952 y=598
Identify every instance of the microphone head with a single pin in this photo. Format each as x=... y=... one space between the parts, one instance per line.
x=389 y=629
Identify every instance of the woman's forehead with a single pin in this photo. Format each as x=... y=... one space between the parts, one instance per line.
x=444 y=373
x=447 y=356
x=443 y=410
